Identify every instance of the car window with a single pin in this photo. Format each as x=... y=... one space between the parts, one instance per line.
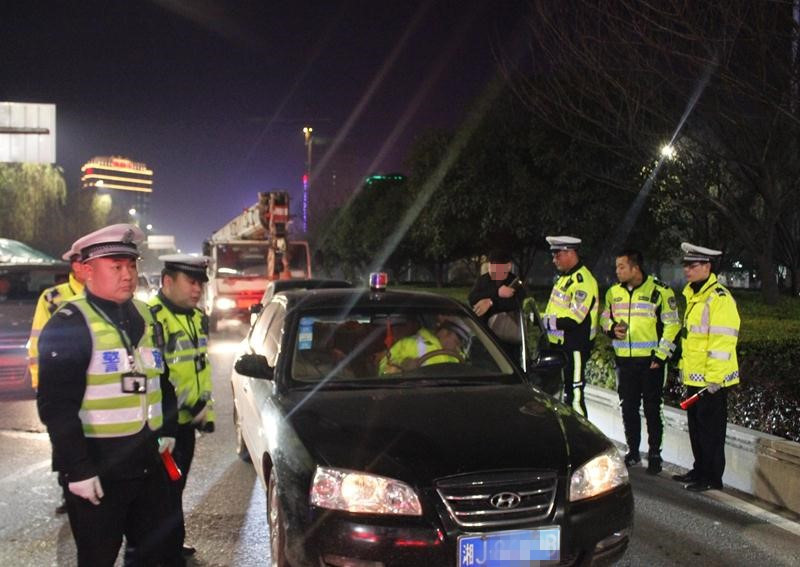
x=392 y=345
x=259 y=332
x=272 y=342
x=28 y=284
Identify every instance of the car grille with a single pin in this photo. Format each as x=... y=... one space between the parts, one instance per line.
x=528 y=497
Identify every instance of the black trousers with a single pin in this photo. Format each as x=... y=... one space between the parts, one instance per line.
x=183 y=455
x=637 y=384
x=708 y=420
x=574 y=379
x=134 y=508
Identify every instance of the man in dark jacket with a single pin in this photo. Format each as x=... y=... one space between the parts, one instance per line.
x=499 y=291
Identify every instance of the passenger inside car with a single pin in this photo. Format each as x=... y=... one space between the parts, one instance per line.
x=446 y=344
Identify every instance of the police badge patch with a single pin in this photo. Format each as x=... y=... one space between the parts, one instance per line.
x=673 y=304
x=580 y=295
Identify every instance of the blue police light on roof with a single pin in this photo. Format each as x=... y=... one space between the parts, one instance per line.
x=378 y=280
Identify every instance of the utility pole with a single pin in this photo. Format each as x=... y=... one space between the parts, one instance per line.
x=307 y=132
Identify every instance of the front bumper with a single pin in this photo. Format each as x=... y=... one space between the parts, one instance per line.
x=595 y=531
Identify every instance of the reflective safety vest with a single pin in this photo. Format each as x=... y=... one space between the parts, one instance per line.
x=107 y=411
x=651 y=313
x=413 y=347
x=711 y=327
x=189 y=368
x=49 y=301
x=575 y=296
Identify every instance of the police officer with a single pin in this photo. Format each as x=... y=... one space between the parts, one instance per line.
x=103 y=399
x=48 y=302
x=571 y=315
x=499 y=291
x=446 y=344
x=186 y=355
x=708 y=363
x=641 y=317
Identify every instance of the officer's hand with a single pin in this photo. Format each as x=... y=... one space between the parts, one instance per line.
x=482 y=306
x=89 y=489
x=200 y=417
x=654 y=364
x=166 y=444
x=620 y=330
x=506 y=291
x=713 y=387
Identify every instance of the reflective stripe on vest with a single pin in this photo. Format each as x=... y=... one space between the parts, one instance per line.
x=107 y=411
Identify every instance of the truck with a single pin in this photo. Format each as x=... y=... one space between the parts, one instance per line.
x=247 y=253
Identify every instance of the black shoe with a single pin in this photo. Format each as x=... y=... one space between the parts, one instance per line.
x=188 y=550
x=653 y=465
x=632 y=459
x=701 y=486
x=690 y=476
x=62 y=508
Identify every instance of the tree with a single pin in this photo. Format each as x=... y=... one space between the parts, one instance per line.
x=717 y=78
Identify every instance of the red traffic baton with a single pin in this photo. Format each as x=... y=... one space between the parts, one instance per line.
x=172 y=467
x=690 y=401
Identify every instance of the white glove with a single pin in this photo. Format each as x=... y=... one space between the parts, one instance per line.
x=166 y=444
x=89 y=489
x=713 y=387
x=201 y=416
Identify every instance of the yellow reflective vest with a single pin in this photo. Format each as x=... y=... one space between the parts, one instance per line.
x=572 y=312
x=186 y=356
x=413 y=347
x=711 y=326
x=49 y=301
x=651 y=313
x=106 y=410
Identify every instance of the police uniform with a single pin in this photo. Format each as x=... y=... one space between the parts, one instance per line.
x=48 y=302
x=651 y=314
x=189 y=371
x=418 y=345
x=708 y=361
x=571 y=320
x=103 y=398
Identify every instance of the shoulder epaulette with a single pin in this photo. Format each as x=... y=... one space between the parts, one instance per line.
x=659 y=283
x=579 y=277
x=720 y=291
x=155 y=308
x=51 y=294
x=65 y=312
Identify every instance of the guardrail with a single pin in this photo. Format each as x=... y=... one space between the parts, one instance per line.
x=766 y=466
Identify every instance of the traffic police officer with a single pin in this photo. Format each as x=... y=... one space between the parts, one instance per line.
x=186 y=355
x=48 y=302
x=708 y=363
x=446 y=344
x=103 y=399
x=641 y=317
x=571 y=315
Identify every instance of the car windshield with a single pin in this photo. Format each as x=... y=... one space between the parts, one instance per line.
x=26 y=284
x=382 y=347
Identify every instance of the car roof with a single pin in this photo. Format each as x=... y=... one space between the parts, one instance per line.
x=282 y=285
x=365 y=297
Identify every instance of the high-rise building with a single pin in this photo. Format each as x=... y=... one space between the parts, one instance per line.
x=128 y=185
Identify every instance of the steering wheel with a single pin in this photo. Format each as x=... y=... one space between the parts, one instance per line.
x=439 y=352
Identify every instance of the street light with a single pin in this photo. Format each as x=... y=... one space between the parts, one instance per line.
x=668 y=151
x=132 y=212
x=307 y=133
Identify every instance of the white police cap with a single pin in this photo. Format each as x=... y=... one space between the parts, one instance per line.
x=456 y=326
x=114 y=240
x=563 y=242
x=193 y=266
x=70 y=254
x=694 y=253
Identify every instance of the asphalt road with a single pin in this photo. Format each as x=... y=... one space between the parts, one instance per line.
x=225 y=504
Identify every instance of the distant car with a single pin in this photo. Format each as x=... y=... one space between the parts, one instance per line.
x=145 y=289
x=20 y=287
x=443 y=462
x=278 y=286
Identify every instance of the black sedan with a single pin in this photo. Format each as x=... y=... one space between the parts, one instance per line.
x=389 y=429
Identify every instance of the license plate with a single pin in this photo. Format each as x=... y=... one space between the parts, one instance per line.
x=511 y=548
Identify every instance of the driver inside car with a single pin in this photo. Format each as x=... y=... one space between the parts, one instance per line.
x=446 y=344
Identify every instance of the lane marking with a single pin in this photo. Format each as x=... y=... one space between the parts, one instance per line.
x=753 y=510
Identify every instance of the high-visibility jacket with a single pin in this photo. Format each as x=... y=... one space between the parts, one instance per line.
x=412 y=347
x=711 y=327
x=651 y=313
x=572 y=312
x=48 y=302
x=186 y=356
x=106 y=410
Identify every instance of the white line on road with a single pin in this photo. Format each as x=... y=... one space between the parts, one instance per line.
x=755 y=511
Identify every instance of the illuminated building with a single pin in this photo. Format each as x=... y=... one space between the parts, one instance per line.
x=129 y=185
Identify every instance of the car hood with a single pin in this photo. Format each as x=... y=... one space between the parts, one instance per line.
x=419 y=434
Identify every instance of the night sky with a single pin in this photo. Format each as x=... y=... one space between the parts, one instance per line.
x=213 y=95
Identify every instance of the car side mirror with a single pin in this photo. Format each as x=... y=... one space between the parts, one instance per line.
x=256 y=308
x=254 y=366
x=549 y=360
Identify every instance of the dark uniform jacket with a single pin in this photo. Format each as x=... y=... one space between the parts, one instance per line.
x=65 y=350
x=486 y=287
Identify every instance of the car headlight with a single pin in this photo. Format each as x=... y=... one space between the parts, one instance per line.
x=603 y=473
x=352 y=491
x=225 y=303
